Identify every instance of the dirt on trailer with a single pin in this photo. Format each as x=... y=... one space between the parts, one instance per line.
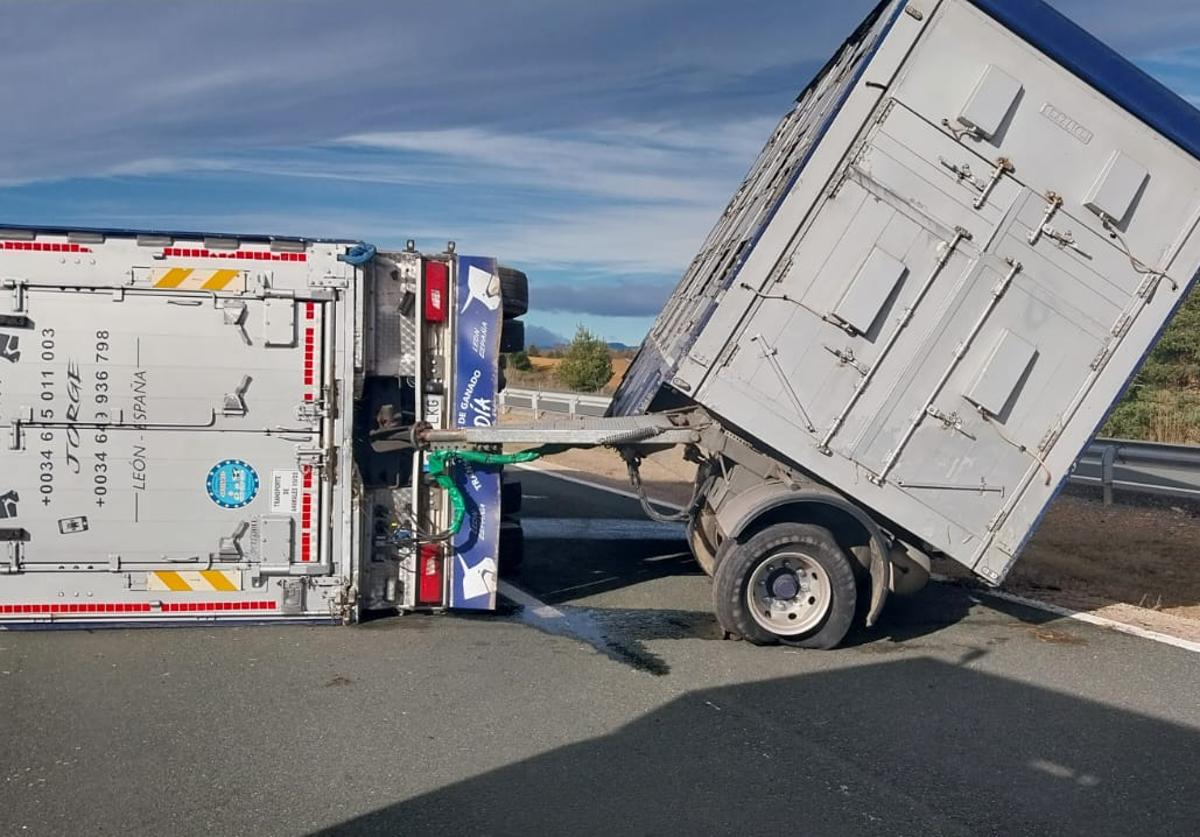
x=1135 y=564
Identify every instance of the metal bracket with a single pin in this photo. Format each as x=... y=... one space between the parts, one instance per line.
x=846 y=358
x=230 y=547
x=964 y=174
x=311 y=411
x=1065 y=240
x=235 y=402
x=1054 y=203
x=329 y=281
x=1003 y=166
x=18 y=289
x=950 y=421
x=235 y=315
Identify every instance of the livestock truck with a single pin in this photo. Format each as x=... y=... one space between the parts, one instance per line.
x=942 y=271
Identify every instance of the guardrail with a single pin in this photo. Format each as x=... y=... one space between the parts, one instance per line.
x=1110 y=464
x=565 y=403
x=1140 y=467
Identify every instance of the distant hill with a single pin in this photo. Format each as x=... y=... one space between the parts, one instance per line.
x=543 y=338
x=621 y=347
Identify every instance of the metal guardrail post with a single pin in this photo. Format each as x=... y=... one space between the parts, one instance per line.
x=1107 y=460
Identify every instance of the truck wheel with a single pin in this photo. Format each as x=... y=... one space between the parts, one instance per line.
x=512 y=336
x=788 y=583
x=514 y=291
x=699 y=527
x=510 y=497
x=512 y=547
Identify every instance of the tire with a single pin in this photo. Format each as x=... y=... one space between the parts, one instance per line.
x=825 y=578
x=510 y=498
x=501 y=381
x=512 y=547
x=514 y=291
x=512 y=337
x=702 y=549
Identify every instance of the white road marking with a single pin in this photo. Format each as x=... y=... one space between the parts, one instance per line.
x=1079 y=616
x=1091 y=619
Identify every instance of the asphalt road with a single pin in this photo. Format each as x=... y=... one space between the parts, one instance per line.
x=613 y=709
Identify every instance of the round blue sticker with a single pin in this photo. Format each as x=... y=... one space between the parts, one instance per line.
x=232 y=484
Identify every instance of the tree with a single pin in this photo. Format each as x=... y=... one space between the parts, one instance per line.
x=586 y=365
x=532 y=350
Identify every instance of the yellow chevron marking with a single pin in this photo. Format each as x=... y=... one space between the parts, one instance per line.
x=219 y=280
x=199 y=279
x=195 y=581
x=173 y=582
x=218 y=580
x=173 y=278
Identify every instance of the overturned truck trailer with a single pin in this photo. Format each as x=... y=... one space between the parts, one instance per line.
x=934 y=283
x=188 y=420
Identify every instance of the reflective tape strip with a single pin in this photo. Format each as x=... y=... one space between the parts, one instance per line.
x=200 y=607
x=173 y=278
x=74 y=607
x=188 y=581
x=193 y=279
x=220 y=580
x=251 y=255
x=44 y=247
x=220 y=279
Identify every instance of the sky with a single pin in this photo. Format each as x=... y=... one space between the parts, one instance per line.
x=591 y=144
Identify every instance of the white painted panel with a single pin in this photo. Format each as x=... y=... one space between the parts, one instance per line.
x=1001 y=373
x=869 y=290
x=989 y=103
x=1113 y=193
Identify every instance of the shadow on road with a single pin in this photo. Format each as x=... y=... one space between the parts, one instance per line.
x=907 y=747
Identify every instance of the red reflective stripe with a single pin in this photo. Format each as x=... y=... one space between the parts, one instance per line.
x=249 y=255
x=77 y=607
x=199 y=607
x=45 y=247
x=310 y=343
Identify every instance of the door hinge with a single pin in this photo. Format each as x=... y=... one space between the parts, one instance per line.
x=1101 y=357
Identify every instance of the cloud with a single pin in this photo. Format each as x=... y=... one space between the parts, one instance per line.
x=85 y=93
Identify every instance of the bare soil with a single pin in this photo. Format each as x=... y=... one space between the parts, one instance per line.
x=1138 y=565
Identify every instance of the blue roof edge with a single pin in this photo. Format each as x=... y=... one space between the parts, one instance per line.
x=1099 y=65
x=126 y=232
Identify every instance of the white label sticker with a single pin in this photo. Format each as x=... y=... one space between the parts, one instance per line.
x=433 y=410
x=285 y=492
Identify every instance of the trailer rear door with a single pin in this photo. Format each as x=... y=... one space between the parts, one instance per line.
x=165 y=450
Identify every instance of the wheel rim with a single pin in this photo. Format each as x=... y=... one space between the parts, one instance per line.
x=789 y=593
